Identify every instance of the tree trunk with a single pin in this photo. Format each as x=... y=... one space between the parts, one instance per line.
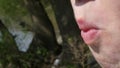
x=42 y=25
x=68 y=28
x=74 y=49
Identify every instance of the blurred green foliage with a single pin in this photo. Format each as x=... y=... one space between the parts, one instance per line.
x=12 y=8
x=14 y=11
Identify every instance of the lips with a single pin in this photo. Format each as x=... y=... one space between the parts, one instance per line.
x=89 y=31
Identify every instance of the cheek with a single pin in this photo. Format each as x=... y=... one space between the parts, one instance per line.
x=110 y=45
x=97 y=15
x=107 y=52
x=107 y=48
x=110 y=38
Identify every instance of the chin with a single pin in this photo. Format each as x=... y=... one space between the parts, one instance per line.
x=106 y=64
x=107 y=59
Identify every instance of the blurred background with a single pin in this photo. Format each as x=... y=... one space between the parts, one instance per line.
x=41 y=34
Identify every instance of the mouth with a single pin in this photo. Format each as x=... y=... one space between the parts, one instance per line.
x=89 y=31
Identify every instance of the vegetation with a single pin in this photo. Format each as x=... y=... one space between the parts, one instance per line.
x=55 y=36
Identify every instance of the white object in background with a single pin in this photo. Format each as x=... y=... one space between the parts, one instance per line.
x=23 y=39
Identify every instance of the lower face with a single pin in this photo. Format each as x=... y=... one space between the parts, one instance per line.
x=105 y=15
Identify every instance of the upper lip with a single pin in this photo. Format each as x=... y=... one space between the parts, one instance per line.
x=85 y=26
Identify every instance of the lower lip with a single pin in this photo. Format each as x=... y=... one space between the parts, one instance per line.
x=90 y=36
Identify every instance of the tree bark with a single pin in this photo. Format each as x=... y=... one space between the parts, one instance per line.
x=68 y=28
x=42 y=26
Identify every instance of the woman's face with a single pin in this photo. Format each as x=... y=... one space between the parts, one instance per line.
x=99 y=21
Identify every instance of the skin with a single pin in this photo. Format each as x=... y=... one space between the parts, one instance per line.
x=104 y=43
